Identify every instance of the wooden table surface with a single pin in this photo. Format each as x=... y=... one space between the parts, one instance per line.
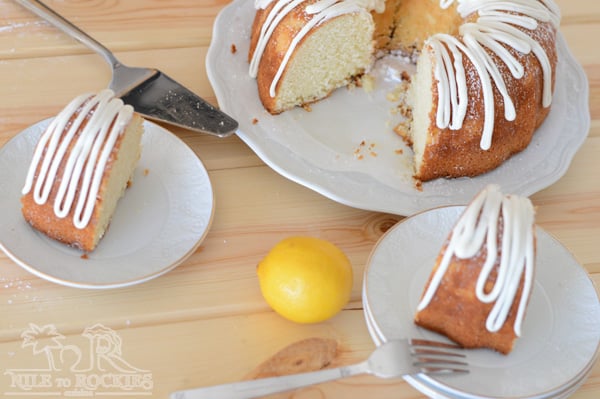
x=205 y=322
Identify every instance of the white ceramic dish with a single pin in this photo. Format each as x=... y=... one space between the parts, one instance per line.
x=321 y=149
x=561 y=333
x=161 y=220
x=438 y=391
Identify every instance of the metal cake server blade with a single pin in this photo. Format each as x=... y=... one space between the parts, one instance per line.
x=150 y=92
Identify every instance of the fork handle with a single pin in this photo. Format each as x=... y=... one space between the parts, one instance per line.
x=45 y=12
x=266 y=386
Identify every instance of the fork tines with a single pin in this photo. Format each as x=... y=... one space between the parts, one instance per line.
x=434 y=357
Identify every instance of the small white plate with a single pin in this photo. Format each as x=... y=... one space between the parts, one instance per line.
x=561 y=332
x=160 y=221
x=322 y=149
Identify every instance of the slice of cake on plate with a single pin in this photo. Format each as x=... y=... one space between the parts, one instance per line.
x=479 y=289
x=81 y=167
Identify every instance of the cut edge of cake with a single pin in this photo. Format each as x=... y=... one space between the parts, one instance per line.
x=478 y=291
x=81 y=167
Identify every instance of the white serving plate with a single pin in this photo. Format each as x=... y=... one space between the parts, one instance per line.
x=319 y=149
x=561 y=332
x=160 y=221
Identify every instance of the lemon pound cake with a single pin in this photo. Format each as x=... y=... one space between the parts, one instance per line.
x=81 y=166
x=479 y=95
x=479 y=289
x=483 y=83
x=302 y=50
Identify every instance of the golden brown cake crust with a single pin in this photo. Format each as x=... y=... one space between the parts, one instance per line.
x=276 y=48
x=285 y=32
x=457 y=153
x=456 y=312
x=42 y=217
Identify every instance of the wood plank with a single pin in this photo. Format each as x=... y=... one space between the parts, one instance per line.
x=206 y=321
x=119 y=25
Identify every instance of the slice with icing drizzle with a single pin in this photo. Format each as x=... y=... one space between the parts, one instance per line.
x=81 y=167
x=479 y=289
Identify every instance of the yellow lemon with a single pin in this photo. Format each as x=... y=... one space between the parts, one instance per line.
x=305 y=279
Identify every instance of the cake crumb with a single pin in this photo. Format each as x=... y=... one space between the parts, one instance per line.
x=146 y=172
x=84 y=256
x=392 y=97
x=233 y=49
x=367 y=147
x=402 y=129
x=254 y=121
x=371 y=150
x=399 y=93
x=418 y=184
x=368 y=83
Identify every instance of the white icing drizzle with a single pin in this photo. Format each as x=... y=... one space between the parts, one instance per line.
x=478 y=227
x=321 y=11
x=85 y=163
x=495 y=27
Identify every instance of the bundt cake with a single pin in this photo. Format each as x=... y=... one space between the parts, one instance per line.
x=483 y=82
x=81 y=166
x=479 y=288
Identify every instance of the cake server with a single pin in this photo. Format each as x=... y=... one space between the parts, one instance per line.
x=150 y=92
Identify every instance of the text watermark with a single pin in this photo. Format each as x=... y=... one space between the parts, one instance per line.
x=88 y=365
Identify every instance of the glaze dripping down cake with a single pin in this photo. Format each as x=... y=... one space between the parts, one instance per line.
x=478 y=291
x=81 y=167
x=483 y=83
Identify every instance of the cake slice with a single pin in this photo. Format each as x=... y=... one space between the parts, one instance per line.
x=300 y=52
x=478 y=291
x=81 y=167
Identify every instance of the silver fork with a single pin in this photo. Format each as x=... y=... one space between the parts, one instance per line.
x=392 y=359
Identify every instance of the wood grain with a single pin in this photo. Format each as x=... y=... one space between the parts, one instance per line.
x=205 y=322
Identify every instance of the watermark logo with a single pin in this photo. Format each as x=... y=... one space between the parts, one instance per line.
x=88 y=365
